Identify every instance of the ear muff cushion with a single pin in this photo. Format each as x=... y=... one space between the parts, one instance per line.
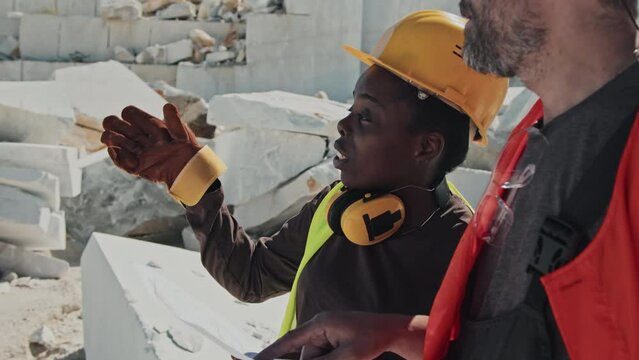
x=338 y=207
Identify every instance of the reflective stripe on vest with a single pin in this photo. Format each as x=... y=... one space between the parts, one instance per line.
x=318 y=233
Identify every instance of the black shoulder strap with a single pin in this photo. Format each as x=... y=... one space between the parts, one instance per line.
x=562 y=237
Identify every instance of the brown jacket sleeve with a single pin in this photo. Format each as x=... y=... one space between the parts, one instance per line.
x=251 y=270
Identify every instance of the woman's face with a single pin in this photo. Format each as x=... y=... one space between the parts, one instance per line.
x=376 y=149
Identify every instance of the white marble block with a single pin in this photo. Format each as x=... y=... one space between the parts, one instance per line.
x=147 y=301
x=37 y=182
x=57 y=160
x=277 y=110
x=34 y=112
x=260 y=160
x=26 y=221
x=267 y=212
x=105 y=88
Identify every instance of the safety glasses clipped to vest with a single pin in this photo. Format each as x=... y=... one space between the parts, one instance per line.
x=513 y=171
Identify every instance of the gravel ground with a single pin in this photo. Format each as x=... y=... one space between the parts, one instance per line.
x=29 y=304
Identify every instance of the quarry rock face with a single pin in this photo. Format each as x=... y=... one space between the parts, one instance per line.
x=115 y=202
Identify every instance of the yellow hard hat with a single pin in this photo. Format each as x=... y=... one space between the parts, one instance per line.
x=425 y=49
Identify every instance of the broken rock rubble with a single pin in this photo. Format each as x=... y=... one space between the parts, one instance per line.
x=127 y=10
x=179 y=10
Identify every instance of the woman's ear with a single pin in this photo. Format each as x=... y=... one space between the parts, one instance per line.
x=430 y=147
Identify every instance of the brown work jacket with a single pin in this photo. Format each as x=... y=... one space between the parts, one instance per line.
x=399 y=275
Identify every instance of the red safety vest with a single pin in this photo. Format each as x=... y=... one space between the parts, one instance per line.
x=594 y=298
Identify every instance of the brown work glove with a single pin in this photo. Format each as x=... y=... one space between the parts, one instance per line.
x=145 y=146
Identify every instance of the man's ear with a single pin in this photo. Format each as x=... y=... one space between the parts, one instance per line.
x=430 y=147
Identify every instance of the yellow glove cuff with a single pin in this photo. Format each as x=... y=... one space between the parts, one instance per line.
x=197 y=176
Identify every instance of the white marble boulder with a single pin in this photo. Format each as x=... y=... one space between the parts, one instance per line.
x=59 y=161
x=105 y=88
x=28 y=222
x=151 y=302
x=261 y=160
x=266 y=213
x=35 y=112
x=277 y=110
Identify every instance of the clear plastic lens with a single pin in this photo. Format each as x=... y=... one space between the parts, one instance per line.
x=519 y=179
x=493 y=221
x=495 y=217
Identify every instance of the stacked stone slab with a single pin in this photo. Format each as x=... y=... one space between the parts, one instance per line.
x=147 y=301
x=33 y=177
x=56 y=160
x=299 y=52
x=47 y=35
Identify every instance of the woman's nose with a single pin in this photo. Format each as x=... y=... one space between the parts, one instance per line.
x=343 y=126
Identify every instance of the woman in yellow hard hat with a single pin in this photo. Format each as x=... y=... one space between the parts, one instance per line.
x=381 y=239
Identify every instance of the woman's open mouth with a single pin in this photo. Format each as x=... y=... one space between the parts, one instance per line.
x=340 y=159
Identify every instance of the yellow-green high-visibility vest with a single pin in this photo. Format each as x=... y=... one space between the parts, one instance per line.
x=318 y=233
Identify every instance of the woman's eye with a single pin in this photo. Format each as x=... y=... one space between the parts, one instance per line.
x=362 y=117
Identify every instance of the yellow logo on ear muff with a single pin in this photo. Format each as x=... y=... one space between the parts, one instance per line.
x=365 y=218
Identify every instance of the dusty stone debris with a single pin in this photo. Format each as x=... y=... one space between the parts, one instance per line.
x=41 y=340
x=205 y=10
x=127 y=10
x=198 y=48
x=44 y=319
x=192 y=108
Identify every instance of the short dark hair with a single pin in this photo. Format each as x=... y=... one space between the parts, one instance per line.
x=434 y=115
